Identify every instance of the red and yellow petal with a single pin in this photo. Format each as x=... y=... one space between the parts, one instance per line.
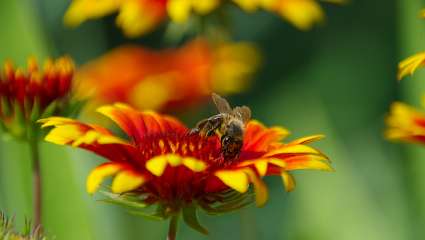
x=307 y=140
x=410 y=65
x=260 y=188
x=235 y=179
x=239 y=180
x=99 y=174
x=90 y=137
x=288 y=181
x=307 y=162
x=139 y=124
x=405 y=123
x=259 y=138
x=262 y=165
x=125 y=180
x=72 y=132
x=291 y=150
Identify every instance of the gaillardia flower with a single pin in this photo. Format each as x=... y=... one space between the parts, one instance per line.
x=137 y=17
x=405 y=123
x=163 y=164
x=167 y=79
x=25 y=96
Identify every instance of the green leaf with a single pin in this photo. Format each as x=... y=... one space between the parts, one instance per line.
x=50 y=109
x=190 y=216
x=4 y=106
x=35 y=111
x=123 y=200
x=149 y=216
x=224 y=208
x=73 y=108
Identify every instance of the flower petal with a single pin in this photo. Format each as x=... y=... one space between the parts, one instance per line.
x=98 y=174
x=259 y=138
x=68 y=131
x=262 y=164
x=206 y=6
x=288 y=181
x=289 y=149
x=139 y=124
x=90 y=137
x=247 y=5
x=126 y=181
x=307 y=162
x=261 y=193
x=158 y=164
x=409 y=65
x=141 y=16
x=303 y=14
x=194 y=164
x=308 y=139
x=261 y=167
x=405 y=123
x=179 y=10
x=236 y=179
x=81 y=10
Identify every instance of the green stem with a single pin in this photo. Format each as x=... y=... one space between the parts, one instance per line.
x=37 y=196
x=172 y=229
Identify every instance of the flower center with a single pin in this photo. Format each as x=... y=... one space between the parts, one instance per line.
x=183 y=144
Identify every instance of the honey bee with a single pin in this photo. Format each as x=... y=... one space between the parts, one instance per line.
x=228 y=124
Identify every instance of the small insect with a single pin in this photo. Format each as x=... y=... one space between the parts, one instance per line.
x=228 y=124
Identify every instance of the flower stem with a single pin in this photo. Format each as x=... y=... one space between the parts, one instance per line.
x=37 y=196
x=172 y=229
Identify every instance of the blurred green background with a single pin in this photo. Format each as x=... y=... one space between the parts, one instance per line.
x=338 y=79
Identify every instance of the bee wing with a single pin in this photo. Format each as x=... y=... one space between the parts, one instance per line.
x=222 y=105
x=244 y=113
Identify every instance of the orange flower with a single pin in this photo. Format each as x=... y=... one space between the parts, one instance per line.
x=406 y=124
x=172 y=78
x=26 y=96
x=162 y=163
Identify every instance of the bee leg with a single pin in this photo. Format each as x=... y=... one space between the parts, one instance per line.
x=199 y=127
x=214 y=124
x=194 y=131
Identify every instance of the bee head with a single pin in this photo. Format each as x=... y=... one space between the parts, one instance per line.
x=231 y=146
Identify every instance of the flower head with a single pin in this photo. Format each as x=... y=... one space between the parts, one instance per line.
x=405 y=123
x=138 y=17
x=25 y=96
x=167 y=79
x=162 y=163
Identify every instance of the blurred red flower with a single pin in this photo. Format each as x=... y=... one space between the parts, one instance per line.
x=167 y=79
